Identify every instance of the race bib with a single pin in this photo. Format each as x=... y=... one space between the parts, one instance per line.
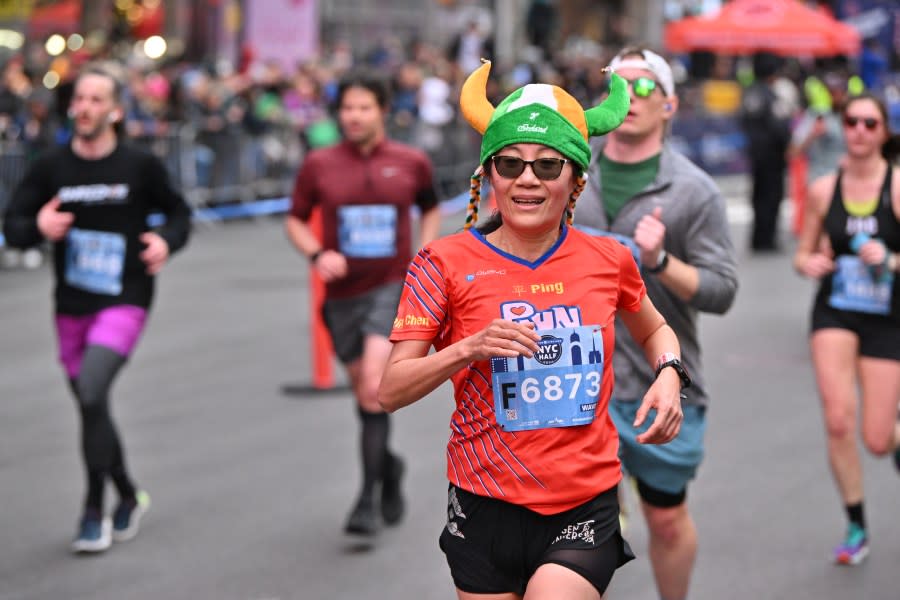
x=558 y=387
x=367 y=231
x=854 y=288
x=95 y=261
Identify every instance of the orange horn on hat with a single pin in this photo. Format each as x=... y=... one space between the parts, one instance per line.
x=473 y=98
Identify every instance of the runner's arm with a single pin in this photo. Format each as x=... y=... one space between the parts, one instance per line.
x=412 y=373
x=176 y=230
x=809 y=260
x=650 y=331
x=707 y=277
x=301 y=236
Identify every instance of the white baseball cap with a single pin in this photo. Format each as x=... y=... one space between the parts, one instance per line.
x=650 y=61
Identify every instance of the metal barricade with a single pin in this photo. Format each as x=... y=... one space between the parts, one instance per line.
x=176 y=149
x=232 y=166
x=13 y=162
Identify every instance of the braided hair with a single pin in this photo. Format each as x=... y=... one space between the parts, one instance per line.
x=474 y=197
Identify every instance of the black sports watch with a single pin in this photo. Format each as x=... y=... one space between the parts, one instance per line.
x=671 y=360
x=661 y=263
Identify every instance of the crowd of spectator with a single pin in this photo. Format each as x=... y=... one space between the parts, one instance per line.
x=265 y=100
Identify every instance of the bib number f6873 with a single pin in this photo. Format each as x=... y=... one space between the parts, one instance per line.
x=559 y=387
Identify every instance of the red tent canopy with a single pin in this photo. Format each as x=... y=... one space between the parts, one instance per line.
x=784 y=27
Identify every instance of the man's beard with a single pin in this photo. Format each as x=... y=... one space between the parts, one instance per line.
x=91 y=134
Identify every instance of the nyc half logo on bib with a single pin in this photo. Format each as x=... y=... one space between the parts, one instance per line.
x=367 y=230
x=560 y=385
x=95 y=261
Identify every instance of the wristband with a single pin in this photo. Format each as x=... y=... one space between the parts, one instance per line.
x=664 y=358
x=669 y=359
x=315 y=256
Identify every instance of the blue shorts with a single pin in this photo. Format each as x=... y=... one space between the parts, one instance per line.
x=663 y=467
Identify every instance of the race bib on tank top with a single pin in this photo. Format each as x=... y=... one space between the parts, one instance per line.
x=367 y=231
x=95 y=261
x=854 y=287
x=558 y=387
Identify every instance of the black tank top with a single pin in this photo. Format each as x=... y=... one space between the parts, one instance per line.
x=841 y=226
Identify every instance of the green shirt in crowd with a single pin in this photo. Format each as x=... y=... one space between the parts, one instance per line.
x=620 y=182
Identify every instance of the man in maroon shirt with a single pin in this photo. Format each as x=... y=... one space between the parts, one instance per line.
x=364 y=188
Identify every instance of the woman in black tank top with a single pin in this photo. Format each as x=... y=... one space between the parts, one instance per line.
x=851 y=243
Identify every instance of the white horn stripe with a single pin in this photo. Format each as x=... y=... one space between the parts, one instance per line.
x=535 y=93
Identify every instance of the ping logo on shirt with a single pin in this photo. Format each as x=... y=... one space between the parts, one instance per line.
x=556 y=287
x=100 y=193
x=550 y=318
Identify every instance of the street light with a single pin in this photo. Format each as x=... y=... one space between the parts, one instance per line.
x=154 y=46
x=56 y=45
x=51 y=80
x=75 y=42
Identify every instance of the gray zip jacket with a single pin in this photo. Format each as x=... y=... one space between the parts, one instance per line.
x=697 y=232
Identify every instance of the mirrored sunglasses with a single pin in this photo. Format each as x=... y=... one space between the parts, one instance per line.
x=546 y=169
x=870 y=122
x=642 y=86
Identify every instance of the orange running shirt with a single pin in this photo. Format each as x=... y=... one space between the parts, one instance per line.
x=454 y=288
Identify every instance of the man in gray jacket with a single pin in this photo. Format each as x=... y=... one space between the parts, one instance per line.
x=673 y=216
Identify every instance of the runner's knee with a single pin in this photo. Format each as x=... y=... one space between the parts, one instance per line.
x=839 y=423
x=879 y=445
x=91 y=395
x=667 y=524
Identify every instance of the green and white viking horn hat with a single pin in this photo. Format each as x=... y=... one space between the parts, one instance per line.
x=540 y=113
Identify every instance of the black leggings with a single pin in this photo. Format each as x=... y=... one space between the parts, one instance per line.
x=100 y=446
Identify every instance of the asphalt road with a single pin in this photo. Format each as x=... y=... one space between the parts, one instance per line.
x=250 y=486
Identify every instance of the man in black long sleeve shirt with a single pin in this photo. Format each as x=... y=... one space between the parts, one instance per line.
x=91 y=200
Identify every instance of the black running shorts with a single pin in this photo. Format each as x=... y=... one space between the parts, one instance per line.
x=495 y=547
x=350 y=320
x=879 y=335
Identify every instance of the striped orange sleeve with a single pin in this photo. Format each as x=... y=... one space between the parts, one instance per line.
x=424 y=303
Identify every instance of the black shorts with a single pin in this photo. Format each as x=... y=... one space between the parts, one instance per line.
x=879 y=335
x=350 y=320
x=494 y=547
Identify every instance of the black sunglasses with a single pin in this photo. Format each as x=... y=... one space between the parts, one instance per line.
x=545 y=169
x=870 y=122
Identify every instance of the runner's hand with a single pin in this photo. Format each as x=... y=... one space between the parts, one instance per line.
x=53 y=224
x=502 y=338
x=817 y=265
x=873 y=253
x=156 y=253
x=665 y=396
x=649 y=235
x=331 y=266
